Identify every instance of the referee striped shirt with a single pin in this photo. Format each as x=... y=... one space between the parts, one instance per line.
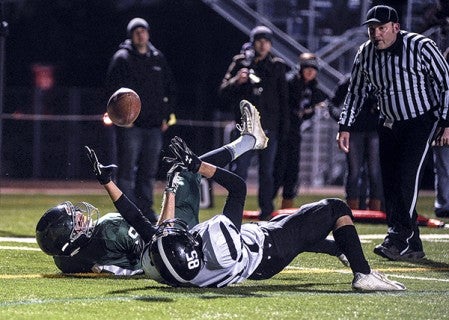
x=409 y=79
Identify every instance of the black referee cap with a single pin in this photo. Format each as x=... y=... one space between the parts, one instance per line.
x=381 y=14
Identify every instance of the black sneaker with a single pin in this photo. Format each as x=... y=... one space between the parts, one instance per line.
x=391 y=252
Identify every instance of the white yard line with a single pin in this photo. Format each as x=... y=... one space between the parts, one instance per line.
x=19 y=248
x=422 y=236
x=417 y=278
x=22 y=240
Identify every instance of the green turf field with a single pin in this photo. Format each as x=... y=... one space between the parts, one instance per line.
x=313 y=287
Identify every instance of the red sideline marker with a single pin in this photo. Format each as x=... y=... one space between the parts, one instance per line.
x=372 y=216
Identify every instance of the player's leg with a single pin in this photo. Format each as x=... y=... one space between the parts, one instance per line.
x=296 y=233
x=327 y=246
x=252 y=137
x=310 y=225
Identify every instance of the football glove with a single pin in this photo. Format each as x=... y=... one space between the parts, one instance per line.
x=103 y=173
x=183 y=154
x=173 y=176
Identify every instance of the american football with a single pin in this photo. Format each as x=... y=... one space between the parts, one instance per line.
x=124 y=107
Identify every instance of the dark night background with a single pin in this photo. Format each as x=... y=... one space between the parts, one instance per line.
x=79 y=38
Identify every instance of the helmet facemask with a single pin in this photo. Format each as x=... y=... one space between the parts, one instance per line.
x=85 y=218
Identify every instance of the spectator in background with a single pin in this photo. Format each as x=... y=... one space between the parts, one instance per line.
x=363 y=152
x=441 y=168
x=410 y=79
x=259 y=77
x=304 y=97
x=138 y=65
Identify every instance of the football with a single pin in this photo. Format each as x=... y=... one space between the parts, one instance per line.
x=124 y=107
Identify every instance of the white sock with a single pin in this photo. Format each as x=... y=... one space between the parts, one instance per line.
x=239 y=146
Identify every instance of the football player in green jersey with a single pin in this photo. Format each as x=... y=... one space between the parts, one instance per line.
x=81 y=242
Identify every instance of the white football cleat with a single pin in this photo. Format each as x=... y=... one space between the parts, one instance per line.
x=375 y=281
x=251 y=124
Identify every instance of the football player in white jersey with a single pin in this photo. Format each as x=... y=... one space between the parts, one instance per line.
x=222 y=251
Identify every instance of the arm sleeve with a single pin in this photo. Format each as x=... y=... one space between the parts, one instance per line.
x=439 y=68
x=235 y=202
x=135 y=218
x=356 y=95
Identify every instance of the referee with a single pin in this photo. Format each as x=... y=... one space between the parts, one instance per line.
x=410 y=78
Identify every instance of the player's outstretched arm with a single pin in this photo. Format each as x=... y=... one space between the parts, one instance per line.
x=125 y=207
x=103 y=173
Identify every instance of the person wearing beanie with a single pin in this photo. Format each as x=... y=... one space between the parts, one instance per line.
x=304 y=97
x=138 y=65
x=409 y=76
x=260 y=32
x=134 y=24
x=258 y=76
x=308 y=60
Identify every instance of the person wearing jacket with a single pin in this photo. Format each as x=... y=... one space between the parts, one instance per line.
x=138 y=65
x=259 y=77
x=304 y=97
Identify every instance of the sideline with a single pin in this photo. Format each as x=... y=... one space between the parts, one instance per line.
x=69 y=187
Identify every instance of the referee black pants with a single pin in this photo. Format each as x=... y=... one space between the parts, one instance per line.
x=403 y=149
